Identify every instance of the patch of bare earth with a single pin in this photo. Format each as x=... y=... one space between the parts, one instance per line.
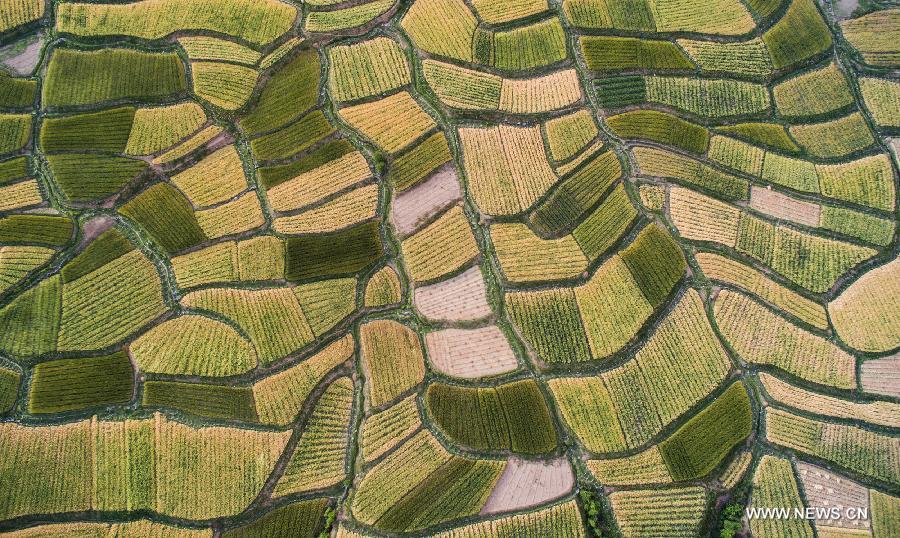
x=782 y=206
x=95 y=227
x=25 y=61
x=529 y=483
x=825 y=489
x=418 y=205
x=461 y=298
x=881 y=376
x=470 y=353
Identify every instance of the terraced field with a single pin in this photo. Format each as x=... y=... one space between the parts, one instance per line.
x=458 y=268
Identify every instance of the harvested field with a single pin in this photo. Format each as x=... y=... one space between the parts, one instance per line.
x=881 y=376
x=24 y=61
x=825 y=489
x=524 y=484
x=470 y=353
x=412 y=208
x=460 y=298
x=781 y=206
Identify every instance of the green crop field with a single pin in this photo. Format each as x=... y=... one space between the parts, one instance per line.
x=454 y=268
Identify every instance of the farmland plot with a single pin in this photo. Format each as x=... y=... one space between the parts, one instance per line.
x=257 y=22
x=513 y=416
x=506 y=166
x=383 y=430
x=673 y=512
x=470 y=353
x=152 y=464
x=864 y=315
x=524 y=484
x=871 y=454
x=421 y=484
x=408 y=268
x=745 y=323
x=625 y=407
x=459 y=298
x=871 y=35
x=318 y=460
x=881 y=413
x=774 y=485
x=393 y=359
x=441 y=248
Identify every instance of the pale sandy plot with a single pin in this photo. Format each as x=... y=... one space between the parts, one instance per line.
x=881 y=376
x=461 y=298
x=781 y=206
x=419 y=204
x=24 y=62
x=825 y=489
x=96 y=226
x=529 y=483
x=470 y=353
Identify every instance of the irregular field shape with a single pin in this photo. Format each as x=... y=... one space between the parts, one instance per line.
x=524 y=484
x=782 y=206
x=881 y=376
x=470 y=353
x=459 y=298
x=419 y=204
x=865 y=315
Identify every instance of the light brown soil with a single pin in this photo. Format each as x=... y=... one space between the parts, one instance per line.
x=95 y=227
x=461 y=298
x=782 y=206
x=25 y=61
x=529 y=483
x=470 y=353
x=881 y=376
x=419 y=204
x=825 y=489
